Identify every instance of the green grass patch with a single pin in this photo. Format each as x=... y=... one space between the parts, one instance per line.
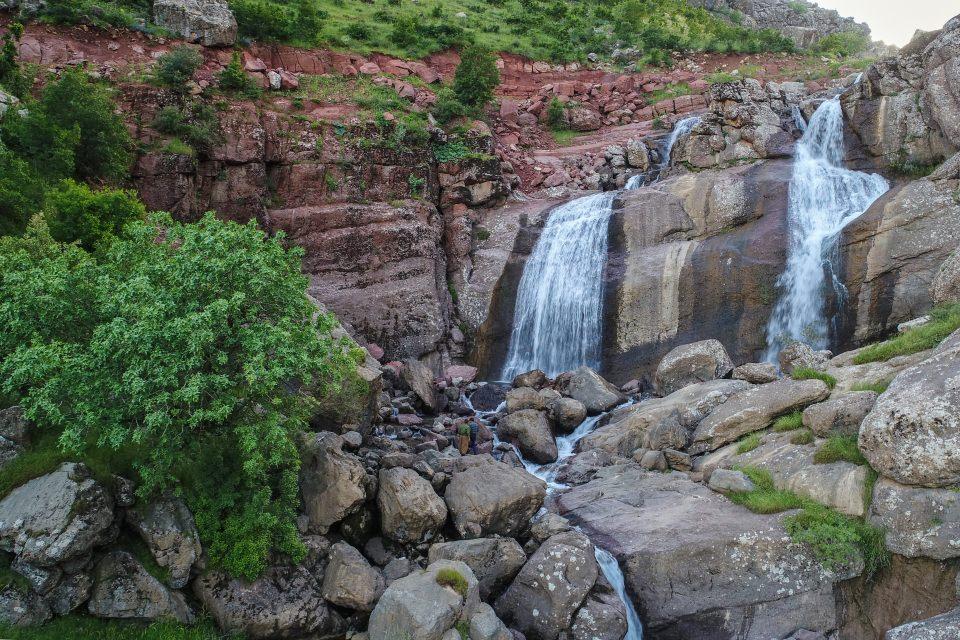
x=89 y=628
x=789 y=422
x=673 y=90
x=765 y=498
x=839 y=448
x=802 y=437
x=453 y=579
x=564 y=137
x=748 y=443
x=806 y=373
x=943 y=321
x=876 y=387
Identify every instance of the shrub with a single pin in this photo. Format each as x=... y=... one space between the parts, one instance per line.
x=476 y=76
x=12 y=77
x=404 y=31
x=802 y=437
x=21 y=192
x=807 y=373
x=789 y=422
x=196 y=124
x=274 y=21
x=183 y=345
x=176 y=67
x=838 y=448
x=78 y=213
x=943 y=321
x=233 y=79
x=843 y=44
x=556 y=114
x=448 y=107
x=749 y=443
x=453 y=579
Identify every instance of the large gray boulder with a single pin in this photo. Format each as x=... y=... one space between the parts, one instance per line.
x=57 y=517
x=487 y=498
x=420 y=380
x=167 y=526
x=545 y=595
x=913 y=432
x=494 y=561
x=207 y=22
x=122 y=588
x=942 y=627
x=596 y=394
x=602 y=617
x=485 y=625
x=755 y=409
x=919 y=522
x=530 y=430
x=523 y=398
x=418 y=606
x=350 y=581
x=699 y=566
x=284 y=602
x=410 y=510
x=842 y=414
x=798 y=355
x=332 y=482
x=567 y=414
x=756 y=372
x=70 y=593
x=14 y=425
x=22 y=608
x=692 y=363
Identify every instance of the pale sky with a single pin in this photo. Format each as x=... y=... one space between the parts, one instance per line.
x=894 y=21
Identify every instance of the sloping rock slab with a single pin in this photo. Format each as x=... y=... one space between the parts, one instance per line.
x=920 y=522
x=944 y=627
x=697 y=565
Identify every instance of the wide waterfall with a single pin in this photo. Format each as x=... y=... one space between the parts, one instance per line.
x=824 y=198
x=681 y=128
x=557 y=320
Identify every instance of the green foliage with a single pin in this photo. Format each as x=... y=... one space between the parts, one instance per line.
x=297 y=21
x=12 y=77
x=179 y=346
x=450 y=152
x=563 y=137
x=798 y=7
x=448 y=107
x=765 y=498
x=842 y=45
x=748 y=443
x=176 y=67
x=943 y=321
x=463 y=628
x=98 y=13
x=807 y=373
x=233 y=79
x=789 y=422
x=476 y=76
x=89 y=628
x=21 y=192
x=556 y=114
x=453 y=579
x=838 y=448
x=78 y=213
x=876 y=387
x=721 y=77
x=912 y=170
x=195 y=123
x=802 y=437
x=481 y=234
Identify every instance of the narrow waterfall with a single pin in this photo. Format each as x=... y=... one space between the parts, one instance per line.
x=611 y=571
x=557 y=320
x=824 y=197
x=681 y=128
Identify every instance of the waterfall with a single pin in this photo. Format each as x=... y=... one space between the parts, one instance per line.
x=557 y=320
x=824 y=197
x=681 y=128
x=611 y=571
x=798 y=120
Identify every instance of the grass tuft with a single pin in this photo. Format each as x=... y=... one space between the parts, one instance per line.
x=802 y=437
x=789 y=422
x=749 y=443
x=806 y=373
x=876 y=387
x=453 y=579
x=839 y=448
x=943 y=321
x=765 y=498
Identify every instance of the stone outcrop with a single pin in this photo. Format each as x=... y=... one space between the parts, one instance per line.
x=487 y=497
x=692 y=363
x=588 y=387
x=167 y=526
x=494 y=561
x=919 y=522
x=208 y=22
x=942 y=627
x=531 y=431
x=842 y=414
x=350 y=581
x=410 y=510
x=124 y=589
x=332 y=482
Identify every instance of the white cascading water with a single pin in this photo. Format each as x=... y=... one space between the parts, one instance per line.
x=611 y=571
x=557 y=320
x=681 y=128
x=824 y=198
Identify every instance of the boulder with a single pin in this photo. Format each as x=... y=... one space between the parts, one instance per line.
x=492 y=498
x=350 y=581
x=488 y=397
x=755 y=409
x=912 y=435
x=494 y=561
x=798 y=355
x=122 y=588
x=418 y=606
x=207 y=22
x=547 y=525
x=842 y=414
x=536 y=379
x=22 y=608
x=596 y=394
x=72 y=592
x=420 y=380
x=9 y=451
x=167 y=526
x=485 y=625
x=692 y=363
x=756 y=373
x=410 y=510
x=545 y=595
x=57 y=517
x=730 y=481
x=284 y=602
x=567 y=414
x=638 y=155
x=942 y=627
x=602 y=617
x=523 y=398
x=919 y=522
x=583 y=466
x=332 y=482
x=14 y=425
x=945 y=288
x=530 y=430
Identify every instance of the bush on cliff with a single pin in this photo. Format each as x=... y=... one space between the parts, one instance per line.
x=181 y=347
x=476 y=76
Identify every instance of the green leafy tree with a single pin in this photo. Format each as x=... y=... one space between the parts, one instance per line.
x=476 y=76
x=21 y=192
x=12 y=77
x=78 y=213
x=183 y=346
